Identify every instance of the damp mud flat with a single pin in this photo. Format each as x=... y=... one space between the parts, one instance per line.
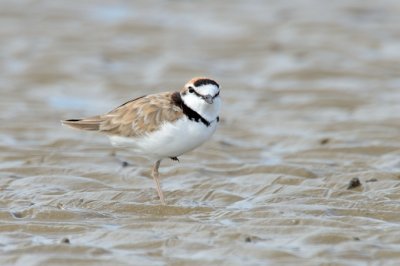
x=304 y=168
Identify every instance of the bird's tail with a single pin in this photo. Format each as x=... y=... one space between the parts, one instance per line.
x=90 y=123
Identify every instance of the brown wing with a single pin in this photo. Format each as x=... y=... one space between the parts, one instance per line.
x=134 y=118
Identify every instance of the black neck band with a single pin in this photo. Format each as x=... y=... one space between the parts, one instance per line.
x=189 y=112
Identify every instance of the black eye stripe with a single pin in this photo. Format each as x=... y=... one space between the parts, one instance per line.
x=192 y=90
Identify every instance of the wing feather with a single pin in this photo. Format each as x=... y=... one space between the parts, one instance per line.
x=134 y=118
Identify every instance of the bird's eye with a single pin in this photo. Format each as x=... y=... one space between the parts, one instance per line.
x=191 y=90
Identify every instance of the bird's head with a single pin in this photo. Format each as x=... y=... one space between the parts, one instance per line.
x=202 y=95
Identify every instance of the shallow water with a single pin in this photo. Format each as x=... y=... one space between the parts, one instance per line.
x=311 y=101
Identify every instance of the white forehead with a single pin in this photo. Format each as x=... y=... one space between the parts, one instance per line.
x=207 y=89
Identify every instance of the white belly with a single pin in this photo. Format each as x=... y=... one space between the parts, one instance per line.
x=171 y=140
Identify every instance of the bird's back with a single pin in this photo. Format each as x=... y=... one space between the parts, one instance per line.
x=134 y=118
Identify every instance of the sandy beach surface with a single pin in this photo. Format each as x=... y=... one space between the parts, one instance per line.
x=303 y=170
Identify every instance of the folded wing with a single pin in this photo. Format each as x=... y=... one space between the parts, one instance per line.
x=134 y=118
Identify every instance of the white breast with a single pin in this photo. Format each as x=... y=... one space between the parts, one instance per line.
x=171 y=140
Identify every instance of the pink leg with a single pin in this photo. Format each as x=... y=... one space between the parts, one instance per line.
x=155 y=177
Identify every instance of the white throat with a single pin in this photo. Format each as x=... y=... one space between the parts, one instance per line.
x=206 y=110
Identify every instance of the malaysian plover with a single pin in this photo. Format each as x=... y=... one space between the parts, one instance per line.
x=162 y=125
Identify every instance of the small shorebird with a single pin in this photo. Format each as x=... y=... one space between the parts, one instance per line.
x=162 y=125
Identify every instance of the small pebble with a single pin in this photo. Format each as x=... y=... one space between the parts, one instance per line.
x=354 y=182
x=247 y=239
x=17 y=214
x=65 y=240
x=125 y=164
x=324 y=141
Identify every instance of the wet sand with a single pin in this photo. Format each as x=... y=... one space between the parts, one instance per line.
x=304 y=169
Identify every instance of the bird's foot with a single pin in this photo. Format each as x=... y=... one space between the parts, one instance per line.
x=174 y=158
